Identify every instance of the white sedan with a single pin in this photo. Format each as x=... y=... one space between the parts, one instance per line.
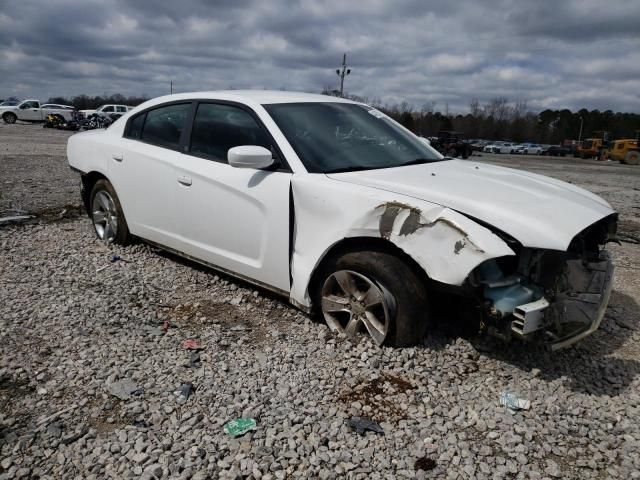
x=337 y=207
x=500 y=147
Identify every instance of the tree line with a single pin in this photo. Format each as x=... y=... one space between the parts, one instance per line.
x=87 y=102
x=497 y=119
x=500 y=119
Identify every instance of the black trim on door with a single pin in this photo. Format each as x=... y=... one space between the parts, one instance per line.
x=183 y=138
x=184 y=145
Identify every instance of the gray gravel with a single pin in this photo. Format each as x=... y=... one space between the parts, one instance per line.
x=72 y=337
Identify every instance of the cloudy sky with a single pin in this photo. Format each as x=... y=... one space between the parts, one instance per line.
x=551 y=53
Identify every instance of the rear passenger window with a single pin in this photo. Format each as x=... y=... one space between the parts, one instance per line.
x=163 y=126
x=217 y=128
x=135 y=126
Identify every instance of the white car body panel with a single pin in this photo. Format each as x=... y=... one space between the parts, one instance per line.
x=239 y=219
x=440 y=234
x=521 y=204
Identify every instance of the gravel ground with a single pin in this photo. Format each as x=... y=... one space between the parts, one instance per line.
x=74 y=326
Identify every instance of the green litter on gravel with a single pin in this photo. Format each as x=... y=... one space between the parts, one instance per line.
x=239 y=426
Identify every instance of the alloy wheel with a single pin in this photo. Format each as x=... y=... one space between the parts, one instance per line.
x=105 y=216
x=351 y=301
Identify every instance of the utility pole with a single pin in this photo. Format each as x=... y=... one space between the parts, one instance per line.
x=580 y=134
x=342 y=72
x=171 y=86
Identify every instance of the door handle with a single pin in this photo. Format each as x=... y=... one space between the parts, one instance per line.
x=184 y=180
x=117 y=157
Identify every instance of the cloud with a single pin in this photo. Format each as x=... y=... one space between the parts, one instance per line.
x=571 y=54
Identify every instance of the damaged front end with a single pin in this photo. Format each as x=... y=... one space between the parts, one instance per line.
x=547 y=295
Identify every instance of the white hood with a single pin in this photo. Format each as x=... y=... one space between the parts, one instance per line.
x=538 y=211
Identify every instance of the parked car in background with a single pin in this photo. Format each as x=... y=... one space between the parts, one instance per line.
x=345 y=212
x=529 y=149
x=9 y=103
x=500 y=147
x=557 y=151
x=107 y=110
x=32 y=111
x=451 y=144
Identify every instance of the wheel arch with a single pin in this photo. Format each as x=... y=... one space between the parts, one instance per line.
x=360 y=244
x=88 y=181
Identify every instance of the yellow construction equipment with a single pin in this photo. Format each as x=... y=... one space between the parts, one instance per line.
x=626 y=150
x=593 y=147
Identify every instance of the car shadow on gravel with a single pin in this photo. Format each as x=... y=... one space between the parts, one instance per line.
x=606 y=363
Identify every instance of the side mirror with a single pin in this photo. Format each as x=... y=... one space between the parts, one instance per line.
x=249 y=156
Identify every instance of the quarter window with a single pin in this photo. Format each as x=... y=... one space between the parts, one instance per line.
x=135 y=127
x=217 y=128
x=163 y=126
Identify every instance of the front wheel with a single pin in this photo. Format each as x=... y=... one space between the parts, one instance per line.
x=106 y=214
x=373 y=292
x=9 y=117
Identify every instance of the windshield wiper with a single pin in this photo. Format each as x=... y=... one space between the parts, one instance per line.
x=352 y=168
x=416 y=161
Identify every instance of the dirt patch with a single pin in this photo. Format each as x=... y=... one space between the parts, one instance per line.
x=379 y=398
x=55 y=214
x=112 y=409
x=235 y=321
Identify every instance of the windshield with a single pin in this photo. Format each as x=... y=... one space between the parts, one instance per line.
x=340 y=137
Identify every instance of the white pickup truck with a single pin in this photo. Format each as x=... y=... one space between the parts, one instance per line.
x=106 y=110
x=33 y=111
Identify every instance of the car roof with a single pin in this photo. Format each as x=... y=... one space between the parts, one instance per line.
x=254 y=96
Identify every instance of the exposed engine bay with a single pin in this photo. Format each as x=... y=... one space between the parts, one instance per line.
x=547 y=295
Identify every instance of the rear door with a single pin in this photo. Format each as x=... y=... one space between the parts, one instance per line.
x=142 y=170
x=233 y=218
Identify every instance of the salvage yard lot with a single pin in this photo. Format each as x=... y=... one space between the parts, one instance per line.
x=73 y=323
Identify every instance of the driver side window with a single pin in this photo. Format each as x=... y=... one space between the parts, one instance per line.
x=218 y=127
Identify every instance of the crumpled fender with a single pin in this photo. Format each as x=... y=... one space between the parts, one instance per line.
x=445 y=243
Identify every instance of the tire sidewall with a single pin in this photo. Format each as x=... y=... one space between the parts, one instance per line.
x=410 y=308
x=122 y=235
x=9 y=118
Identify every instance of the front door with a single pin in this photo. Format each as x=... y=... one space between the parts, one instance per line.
x=30 y=110
x=233 y=218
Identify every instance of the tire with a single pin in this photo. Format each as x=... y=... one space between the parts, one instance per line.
x=405 y=305
x=632 y=157
x=9 y=117
x=106 y=214
x=467 y=153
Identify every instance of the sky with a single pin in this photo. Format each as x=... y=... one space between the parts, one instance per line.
x=549 y=53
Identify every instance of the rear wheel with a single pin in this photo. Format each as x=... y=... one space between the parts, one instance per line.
x=373 y=292
x=106 y=214
x=9 y=117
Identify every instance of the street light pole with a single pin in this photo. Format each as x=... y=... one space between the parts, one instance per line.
x=580 y=134
x=342 y=72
